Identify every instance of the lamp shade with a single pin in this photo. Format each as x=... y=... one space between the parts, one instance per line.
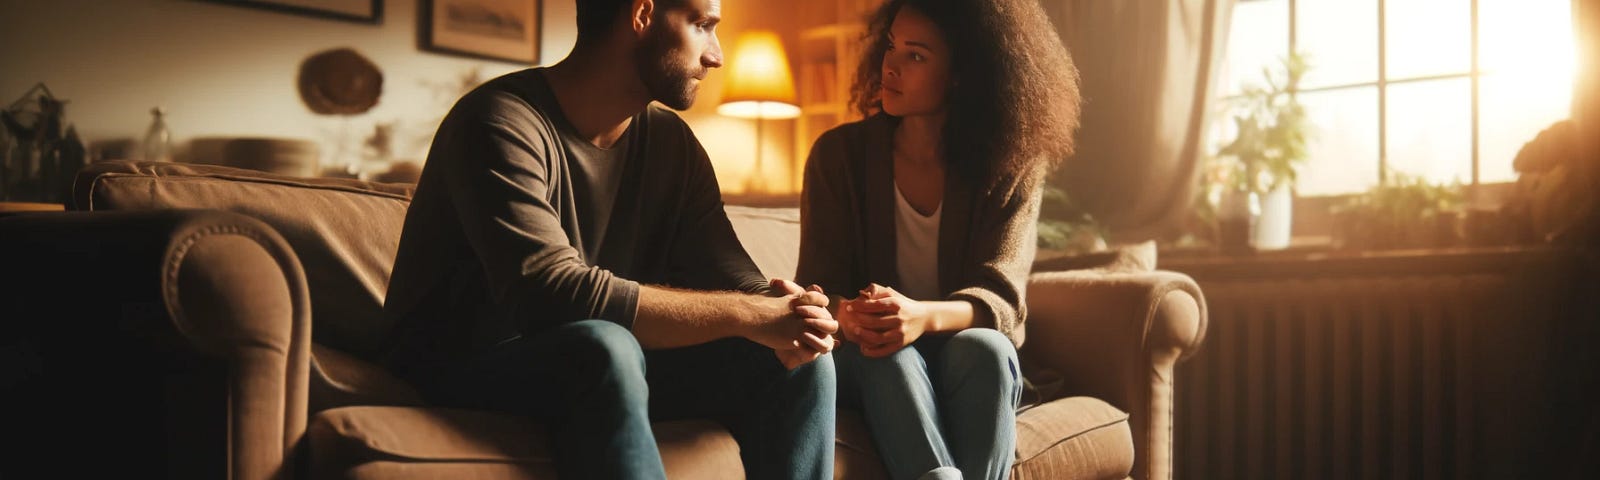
x=759 y=84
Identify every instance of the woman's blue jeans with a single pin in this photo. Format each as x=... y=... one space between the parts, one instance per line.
x=945 y=403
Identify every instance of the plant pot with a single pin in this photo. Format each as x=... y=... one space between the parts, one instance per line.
x=1237 y=214
x=1272 y=230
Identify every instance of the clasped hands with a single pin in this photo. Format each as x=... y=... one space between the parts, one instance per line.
x=880 y=320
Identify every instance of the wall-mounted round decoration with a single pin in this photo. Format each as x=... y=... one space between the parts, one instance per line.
x=340 y=82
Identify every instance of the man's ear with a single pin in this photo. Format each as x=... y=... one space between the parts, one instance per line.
x=640 y=16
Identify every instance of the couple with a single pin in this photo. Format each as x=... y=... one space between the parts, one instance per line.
x=566 y=255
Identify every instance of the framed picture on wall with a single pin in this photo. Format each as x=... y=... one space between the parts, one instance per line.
x=505 y=30
x=363 y=11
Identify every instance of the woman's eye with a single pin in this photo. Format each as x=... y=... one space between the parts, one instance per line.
x=917 y=57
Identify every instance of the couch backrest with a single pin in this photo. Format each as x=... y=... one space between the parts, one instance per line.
x=345 y=232
x=770 y=235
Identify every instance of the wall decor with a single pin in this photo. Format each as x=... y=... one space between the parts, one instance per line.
x=506 y=30
x=362 y=11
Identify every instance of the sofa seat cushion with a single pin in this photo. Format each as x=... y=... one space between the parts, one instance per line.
x=1073 y=438
x=415 y=442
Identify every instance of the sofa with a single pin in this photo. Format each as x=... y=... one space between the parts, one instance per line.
x=202 y=321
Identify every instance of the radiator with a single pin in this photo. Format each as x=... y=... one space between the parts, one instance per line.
x=1382 y=370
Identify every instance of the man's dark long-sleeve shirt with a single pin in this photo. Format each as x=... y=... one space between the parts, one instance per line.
x=518 y=224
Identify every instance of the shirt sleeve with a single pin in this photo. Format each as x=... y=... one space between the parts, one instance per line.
x=826 y=229
x=1001 y=257
x=708 y=255
x=500 y=186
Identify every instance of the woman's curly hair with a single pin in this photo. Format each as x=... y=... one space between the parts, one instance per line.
x=1013 y=103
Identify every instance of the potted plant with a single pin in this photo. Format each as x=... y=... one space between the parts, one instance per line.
x=1404 y=212
x=1261 y=164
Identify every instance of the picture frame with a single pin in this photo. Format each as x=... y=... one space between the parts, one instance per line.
x=504 y=30
x=359 y=11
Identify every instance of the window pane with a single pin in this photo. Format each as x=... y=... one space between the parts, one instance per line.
x=1258 y=37
x=1428 y=37
x=1513 y=110
x=1526 y=36
x=1343 y=143
x=1430 y=129
x=1340 y=40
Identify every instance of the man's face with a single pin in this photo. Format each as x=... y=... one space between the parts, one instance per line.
x=678 y=49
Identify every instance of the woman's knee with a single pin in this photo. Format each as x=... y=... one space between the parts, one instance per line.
x=983 y=353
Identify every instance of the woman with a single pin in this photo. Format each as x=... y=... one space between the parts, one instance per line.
x=927 y=209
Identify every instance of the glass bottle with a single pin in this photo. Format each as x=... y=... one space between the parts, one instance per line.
x=158 y=140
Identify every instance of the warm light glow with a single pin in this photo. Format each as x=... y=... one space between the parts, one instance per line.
x=758 y=109
x=759 y=84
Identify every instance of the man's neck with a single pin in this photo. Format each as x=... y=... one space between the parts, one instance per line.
x=599 y=92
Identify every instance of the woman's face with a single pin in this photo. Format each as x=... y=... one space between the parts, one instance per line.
x=916 y=68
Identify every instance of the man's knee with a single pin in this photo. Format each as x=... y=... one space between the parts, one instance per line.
x=603 y=348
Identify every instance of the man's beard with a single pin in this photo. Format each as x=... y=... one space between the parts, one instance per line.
x=667 y=83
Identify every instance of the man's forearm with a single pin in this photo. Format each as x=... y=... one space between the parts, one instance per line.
x=669 y=318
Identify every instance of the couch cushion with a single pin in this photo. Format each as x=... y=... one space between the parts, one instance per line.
x=399 y=442
x=1073 y=438
x=345 y=232
x=770 y=235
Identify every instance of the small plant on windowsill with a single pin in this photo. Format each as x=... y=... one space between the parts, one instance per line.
x=1404 y=212
x=1264 y=158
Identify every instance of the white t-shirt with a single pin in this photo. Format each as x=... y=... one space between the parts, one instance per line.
x=916 y=249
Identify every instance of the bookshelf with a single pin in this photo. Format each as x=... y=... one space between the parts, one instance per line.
x=830 y=43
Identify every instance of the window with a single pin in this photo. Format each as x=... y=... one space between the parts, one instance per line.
x=1445 y=89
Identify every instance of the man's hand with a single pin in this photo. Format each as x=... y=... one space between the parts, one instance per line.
x=882 y=321
x=816 y=339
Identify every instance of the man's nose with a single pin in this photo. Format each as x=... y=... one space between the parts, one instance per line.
x=713 y=57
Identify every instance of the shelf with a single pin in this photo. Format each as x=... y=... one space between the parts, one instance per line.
x=832 y=31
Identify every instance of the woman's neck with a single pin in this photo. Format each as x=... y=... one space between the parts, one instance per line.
x=918 y=138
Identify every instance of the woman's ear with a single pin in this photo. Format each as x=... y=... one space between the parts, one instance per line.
x=640 y=16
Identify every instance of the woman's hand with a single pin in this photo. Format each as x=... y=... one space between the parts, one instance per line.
x=882 y=321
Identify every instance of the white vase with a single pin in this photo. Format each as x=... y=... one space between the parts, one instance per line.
x=1272 y=230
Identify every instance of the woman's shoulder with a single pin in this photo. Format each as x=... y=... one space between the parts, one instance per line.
x=840 y=141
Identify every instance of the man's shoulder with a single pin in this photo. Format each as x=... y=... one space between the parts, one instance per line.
x=513 y=97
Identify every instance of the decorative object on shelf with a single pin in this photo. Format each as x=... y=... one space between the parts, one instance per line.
x=41 y=150
x=1403 y=212
x=1265 y=155
x=361 y=11
x=506 y=30
x=157 y=143
x=340 y=81
x=759 y=86
x=284 y=156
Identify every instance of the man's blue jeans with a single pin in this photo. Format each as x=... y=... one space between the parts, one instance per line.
x=945 y=403
x=597 y=391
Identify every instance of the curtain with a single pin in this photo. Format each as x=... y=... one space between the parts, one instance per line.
x=1148 y=69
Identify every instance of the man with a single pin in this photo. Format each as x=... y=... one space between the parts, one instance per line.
x=566 y=256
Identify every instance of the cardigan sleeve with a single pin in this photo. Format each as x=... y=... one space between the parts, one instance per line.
x=1000 y=255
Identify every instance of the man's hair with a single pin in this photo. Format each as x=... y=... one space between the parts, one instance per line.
x=1013 y=107
x=595 y=16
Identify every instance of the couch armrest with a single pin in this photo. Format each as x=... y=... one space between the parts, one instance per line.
x=1117 y=336
x=167 y=342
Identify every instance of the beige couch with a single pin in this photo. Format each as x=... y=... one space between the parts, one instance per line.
x=255 y=303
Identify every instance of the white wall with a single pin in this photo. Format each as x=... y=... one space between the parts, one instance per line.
x=224 y=70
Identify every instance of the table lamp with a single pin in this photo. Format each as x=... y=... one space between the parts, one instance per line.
x=759 y=86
